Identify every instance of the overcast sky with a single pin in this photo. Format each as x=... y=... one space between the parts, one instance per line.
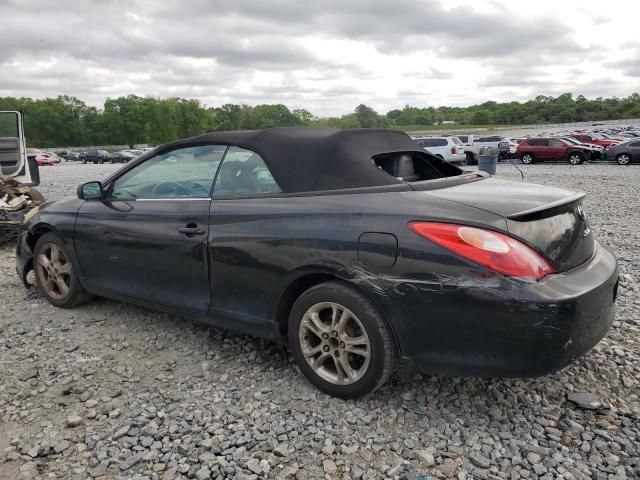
x=326 y=56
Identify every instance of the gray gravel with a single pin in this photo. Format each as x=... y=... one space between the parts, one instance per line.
x=108 y=390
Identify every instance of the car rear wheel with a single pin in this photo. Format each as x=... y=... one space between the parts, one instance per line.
x=340 y=341
x=527 y=159
x=623 y=159
x=471 y=158
x=575 y=158
x=56 y=275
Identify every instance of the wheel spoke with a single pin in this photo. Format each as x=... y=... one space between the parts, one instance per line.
x=313 y=323
x=48 y=285
x=346 y=368
x=335 y=316
x=355 y=341
x=341 y=374
x=342 y=322
x=65 y=269
x=319 y=361
x=55 y=255
x=44 y=261
x=313 y=351
x=62 y=286
x=362 y=352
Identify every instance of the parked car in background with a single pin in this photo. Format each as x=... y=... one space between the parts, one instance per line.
x=43 y=159
x=95 y=156
x=594 y=139
x=596 y=150
x=537 y=149
x=624 y=153
x=54 y=156
x=364 y=254
x=446 y=148
x=123 y=156
x=68 y=155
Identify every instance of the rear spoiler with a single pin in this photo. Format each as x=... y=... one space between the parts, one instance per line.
x=549 y=209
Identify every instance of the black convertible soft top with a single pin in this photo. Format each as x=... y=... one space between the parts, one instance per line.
x=306 y=159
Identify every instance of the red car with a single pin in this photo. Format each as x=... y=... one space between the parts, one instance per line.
x=536 y=149
x=42 y=158
x=591 y=138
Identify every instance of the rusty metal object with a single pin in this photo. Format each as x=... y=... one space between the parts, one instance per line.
x=15 y=201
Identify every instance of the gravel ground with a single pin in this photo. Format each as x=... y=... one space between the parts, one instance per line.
x=109 y=390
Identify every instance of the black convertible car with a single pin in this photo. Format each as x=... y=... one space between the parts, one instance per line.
x=361 y=251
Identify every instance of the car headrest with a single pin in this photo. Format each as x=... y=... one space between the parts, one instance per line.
x=400 y=166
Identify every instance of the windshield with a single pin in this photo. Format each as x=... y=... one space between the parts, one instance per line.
x=456 y=140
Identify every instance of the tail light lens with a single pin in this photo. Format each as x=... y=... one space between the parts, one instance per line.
x=453 y=149
x=495 y=251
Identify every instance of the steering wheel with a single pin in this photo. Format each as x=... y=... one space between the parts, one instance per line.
x=166 y=188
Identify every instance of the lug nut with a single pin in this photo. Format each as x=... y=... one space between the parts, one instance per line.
x=334 y=333
x=341 y=344
x=325 y=336
x=325 y=348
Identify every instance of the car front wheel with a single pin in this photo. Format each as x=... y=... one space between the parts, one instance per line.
x=575 y=159
x=527 y=159
x=340 y=341
x=623 y=159
x=56 y=275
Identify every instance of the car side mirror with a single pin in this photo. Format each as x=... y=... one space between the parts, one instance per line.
x=90 y=191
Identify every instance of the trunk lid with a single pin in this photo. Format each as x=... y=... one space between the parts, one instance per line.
x=550 y=220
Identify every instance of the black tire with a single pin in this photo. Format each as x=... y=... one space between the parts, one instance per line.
x=75 y=294
x=440 y=157
x=527 y=158
x=471 y=158
x=623 y=159
x=575 y=158
x=383 y=353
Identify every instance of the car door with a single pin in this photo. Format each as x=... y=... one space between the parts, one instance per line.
x=13 y=150
x=557 y=149
x=634 y=150
x=246 y=244
x=147 y=237
x=542 y=149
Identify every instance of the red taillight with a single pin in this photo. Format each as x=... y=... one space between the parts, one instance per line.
x=492 y=250
x=453 y=149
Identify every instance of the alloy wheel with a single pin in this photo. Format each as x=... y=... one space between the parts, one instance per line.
x=527 y=159
x=334 y=343
x=575 y=159
x=623 y=159
x=54 y=270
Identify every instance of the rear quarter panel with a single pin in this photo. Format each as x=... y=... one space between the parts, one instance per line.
x=259 y=246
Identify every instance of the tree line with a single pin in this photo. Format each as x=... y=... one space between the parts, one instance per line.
x=130 y=120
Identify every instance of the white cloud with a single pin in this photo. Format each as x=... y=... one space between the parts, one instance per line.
x=326 y=56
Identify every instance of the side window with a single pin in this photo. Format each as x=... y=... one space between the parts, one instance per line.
x=463 y=138
x=180 y=173
x=556 y=143
x=635 y=144
x=243 y=173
